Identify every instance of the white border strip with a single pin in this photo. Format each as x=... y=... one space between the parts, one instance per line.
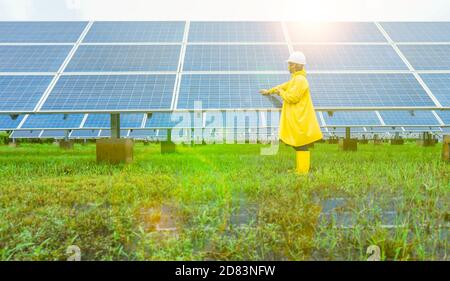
x=176 y=90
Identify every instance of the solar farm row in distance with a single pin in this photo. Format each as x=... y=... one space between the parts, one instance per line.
x=238 y=119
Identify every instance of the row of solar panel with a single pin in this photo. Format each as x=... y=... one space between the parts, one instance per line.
x=237 y=134
x=93 y=93
x=234 y=119
x=117 y=32
x=124 y=58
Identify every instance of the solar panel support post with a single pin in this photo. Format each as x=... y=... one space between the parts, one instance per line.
x=115 y=126
x=426 y=140
x=397 y=140
x=348 y=144
x=446 y=148
x=168 y=146
x=65 y=143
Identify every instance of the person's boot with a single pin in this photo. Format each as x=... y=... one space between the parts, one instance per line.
x=303 y=162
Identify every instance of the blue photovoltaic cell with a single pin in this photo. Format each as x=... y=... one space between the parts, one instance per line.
x=445 y=116
x=41 y=32
x=405 y=118
x=130 y=120
x=367 y=90
x=334 y=32
x=418 y=31
x=26 y=134
x=111 y=92
x=351 y=57
x=125 y=58
x=236 y=32
x=170 y=120
x=228 y=91
x=107 y=133
x=22 y=93
x=427 y=57
x=53 y=134
x=235 y=57
x=32 y=58
x=136 y=31
x=8 y=123
x=439 y=84
x=143 y=133
x=352 y=118
x=85 y=134
x=53 y=121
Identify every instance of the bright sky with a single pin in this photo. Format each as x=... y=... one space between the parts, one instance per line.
x=311 y=10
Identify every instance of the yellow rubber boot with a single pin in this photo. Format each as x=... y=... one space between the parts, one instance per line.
x=303 y=162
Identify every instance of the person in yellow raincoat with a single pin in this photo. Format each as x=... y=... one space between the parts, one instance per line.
x=298 y=123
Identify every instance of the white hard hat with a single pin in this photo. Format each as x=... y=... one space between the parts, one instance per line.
x=297 y=57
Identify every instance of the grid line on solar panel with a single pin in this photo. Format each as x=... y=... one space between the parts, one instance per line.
x=418 y=31
x=125 y=58
x=22 y=93
x=334 y=32
x=32 y=58
x=111 y=93
x=40 y=32
x=235 y=57
x=7 y=123
x=445 y=116
x=439 y=84
x=427 y=57
x=236 y=32
x=221 y=91
x=420 y=117
x=352 y=118
x=53 y=121
x=367 y=90
x=351 y=57
x=136 y=31
x=131 y=120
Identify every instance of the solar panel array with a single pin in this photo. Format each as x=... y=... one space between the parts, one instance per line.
x=102 y=67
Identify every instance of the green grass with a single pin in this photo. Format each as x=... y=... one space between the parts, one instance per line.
x=227 y=202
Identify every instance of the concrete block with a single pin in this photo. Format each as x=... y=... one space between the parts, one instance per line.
x=67 y=145
x=348 y=144
x=397 y=141
x=13 y=144
x=115 y=151
x=167 y=147
x=446 y=148
x=425 y=142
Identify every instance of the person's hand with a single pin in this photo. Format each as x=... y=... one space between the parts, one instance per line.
x=264 y=92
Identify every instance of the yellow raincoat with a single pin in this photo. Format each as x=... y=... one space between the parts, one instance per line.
x=298 y=123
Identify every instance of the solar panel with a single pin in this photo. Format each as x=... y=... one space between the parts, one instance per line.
x=352 y=118
x=418 y=31
x=236 y=32
x=31 y=134
x=57 y=134
x=98 y=121
x=171 y=120
x=22 y=93
x=445 y=116
x=334 y=32
x=439 y=84
x=341 y=130
x=53 y=121
x=125 y=58
x=111 y=92
x=136 y=31
x=148 y=134
x=417 y=117
x=85 y=134
x=235 y=57
x=367 y=90
x=8 y=123
x=219 y=91
x=427 y=57
x=107 y=133
x=422 y=129
x=41 y=32
x=32 y=58
x=233 y=119
x=351 y=57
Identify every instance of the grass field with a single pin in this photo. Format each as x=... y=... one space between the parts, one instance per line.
x=224 y=202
